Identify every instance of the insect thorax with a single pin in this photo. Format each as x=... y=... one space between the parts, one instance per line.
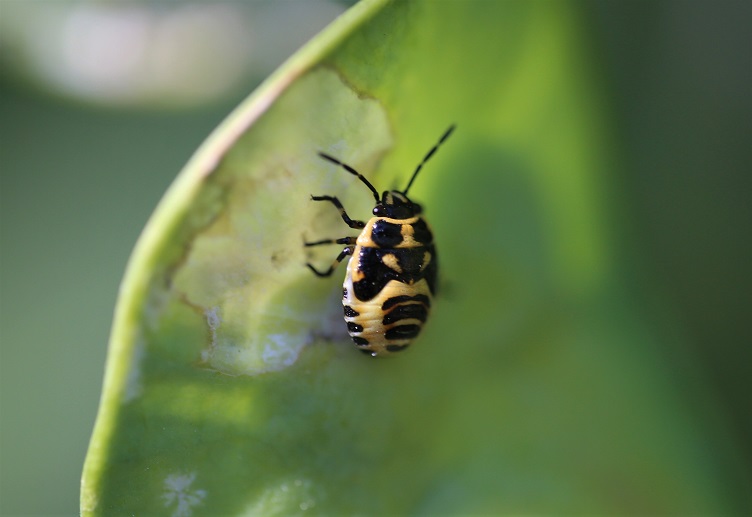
x=389 y=249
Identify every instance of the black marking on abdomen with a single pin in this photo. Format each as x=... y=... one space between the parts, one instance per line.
x=416 y=311
x=377 y=274
x=395 y=300
x=354 y=327
x=402 y=332
x=360 y=341
x=350 y=312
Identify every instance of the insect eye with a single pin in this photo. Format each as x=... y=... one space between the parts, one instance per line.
x=379 y=210
x=417 y=209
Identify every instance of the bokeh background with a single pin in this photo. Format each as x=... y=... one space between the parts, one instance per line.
x=102 y=104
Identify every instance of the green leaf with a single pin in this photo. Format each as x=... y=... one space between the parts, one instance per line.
x=537 y=385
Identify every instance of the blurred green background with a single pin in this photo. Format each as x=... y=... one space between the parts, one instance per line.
x=93 y=129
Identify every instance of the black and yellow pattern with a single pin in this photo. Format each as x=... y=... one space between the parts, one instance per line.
x=391 y=276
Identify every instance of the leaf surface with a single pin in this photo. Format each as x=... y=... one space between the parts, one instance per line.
x=537 y=385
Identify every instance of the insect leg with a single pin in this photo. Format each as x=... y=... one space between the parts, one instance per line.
x=347 y=251
x=350 y=222
x=343 y=240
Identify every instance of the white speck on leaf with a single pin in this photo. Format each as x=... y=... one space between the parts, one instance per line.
x=281 y=350
x=288 y=497
x=178 y=492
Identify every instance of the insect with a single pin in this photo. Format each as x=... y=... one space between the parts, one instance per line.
x=391 y=275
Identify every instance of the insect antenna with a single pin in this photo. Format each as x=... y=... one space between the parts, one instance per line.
x=428 y=156
x=351 y=171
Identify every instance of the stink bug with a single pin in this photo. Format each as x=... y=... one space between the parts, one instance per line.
x=391 y=275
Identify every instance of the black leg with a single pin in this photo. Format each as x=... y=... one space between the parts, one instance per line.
x=347 y=251
x=351 y=223
x=343 y=240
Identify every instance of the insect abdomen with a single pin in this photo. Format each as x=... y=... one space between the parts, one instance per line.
x=389 y=284
x=389 y=321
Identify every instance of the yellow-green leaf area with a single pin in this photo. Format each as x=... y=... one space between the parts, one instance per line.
x=242 y=267
x=537 y=385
